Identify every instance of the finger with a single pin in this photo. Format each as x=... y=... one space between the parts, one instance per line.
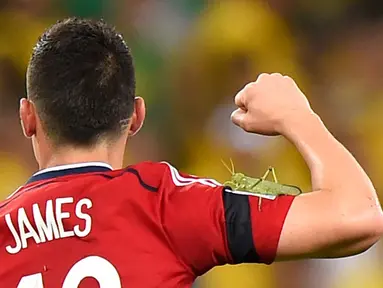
x=239 y=99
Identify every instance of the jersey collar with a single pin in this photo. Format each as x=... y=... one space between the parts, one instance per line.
x=65 y=170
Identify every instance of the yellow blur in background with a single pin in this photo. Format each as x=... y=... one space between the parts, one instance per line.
x=191 y=57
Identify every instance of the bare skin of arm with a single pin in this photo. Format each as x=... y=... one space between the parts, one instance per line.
x=342 y=216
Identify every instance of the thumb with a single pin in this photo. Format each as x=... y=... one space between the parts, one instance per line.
x=238 y=117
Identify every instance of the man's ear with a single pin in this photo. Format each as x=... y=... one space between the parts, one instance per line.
x=138 y=117
x=28 y=116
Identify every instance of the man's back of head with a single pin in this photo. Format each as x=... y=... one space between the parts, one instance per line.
x=81 y=80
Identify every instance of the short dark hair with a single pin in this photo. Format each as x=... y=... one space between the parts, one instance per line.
x=81 y=78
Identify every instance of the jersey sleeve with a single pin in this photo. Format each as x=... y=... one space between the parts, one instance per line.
x=210 y=225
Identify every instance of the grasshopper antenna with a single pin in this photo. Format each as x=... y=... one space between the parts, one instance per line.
x=232 y=166
x=227 y=166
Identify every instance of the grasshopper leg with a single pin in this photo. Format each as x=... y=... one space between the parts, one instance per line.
x=272 y=170
x=274 y=174
x=230 y=184
x=266 y=174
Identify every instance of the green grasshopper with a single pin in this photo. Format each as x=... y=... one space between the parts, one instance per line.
x=261 y=186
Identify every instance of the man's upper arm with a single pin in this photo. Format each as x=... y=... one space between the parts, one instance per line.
x=194 y=220
x=209 y=225
x=315 y=227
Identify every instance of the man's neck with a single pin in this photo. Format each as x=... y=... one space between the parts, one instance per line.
x=67 y=156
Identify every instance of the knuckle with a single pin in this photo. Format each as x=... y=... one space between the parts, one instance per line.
x=263 y=76
x=276 y=75
x=249 y=90
x=250 y=85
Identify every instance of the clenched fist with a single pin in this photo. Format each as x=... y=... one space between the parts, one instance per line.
x=270 y=105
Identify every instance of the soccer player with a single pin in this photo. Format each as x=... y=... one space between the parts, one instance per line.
x=84 y=219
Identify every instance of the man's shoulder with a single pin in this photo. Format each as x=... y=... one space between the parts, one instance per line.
x=149 y=168
x=149 y=174
x=165 y=175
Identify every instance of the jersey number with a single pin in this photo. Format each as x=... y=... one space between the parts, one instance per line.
x=93 y=266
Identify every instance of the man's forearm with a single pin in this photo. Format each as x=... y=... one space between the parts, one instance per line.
x=332 y=167
x=343 y=213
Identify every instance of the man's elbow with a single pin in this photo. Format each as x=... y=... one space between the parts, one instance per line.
x=374 y=225
x=366 y=229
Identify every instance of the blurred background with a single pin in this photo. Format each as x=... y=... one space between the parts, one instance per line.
x=191 y=57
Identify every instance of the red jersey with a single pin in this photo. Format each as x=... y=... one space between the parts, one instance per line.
x=143 y=226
